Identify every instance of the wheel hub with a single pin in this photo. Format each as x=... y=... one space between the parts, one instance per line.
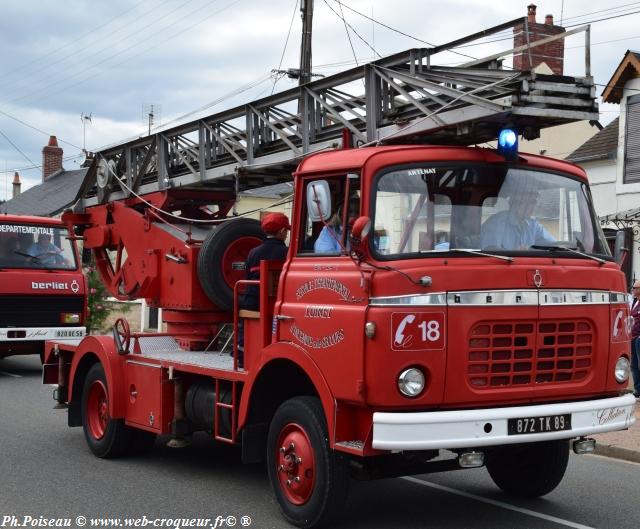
x=295 y=463
x=98 y=409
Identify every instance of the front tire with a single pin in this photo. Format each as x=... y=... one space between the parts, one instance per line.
x=310 y=481
x=106 y=437
x=529 y=470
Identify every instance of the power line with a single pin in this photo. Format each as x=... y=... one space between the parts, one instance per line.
x=136 y=43
x=352 y=29
x=41 y=58
x=396 y=30
x=37 y=129
x=293 y=16
x=15 y=147
x=142 y=52
x=603 y=19
x=86 y=52
x=609 y=9
x=348 y=34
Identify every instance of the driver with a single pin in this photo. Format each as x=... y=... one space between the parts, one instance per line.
x=515 y=228
x=45 y=251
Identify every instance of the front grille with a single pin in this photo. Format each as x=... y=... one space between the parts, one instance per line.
x=35 y=311
x=529 y=353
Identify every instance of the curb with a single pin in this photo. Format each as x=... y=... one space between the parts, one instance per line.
x=618 y=452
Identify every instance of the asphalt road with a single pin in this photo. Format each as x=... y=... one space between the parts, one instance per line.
x=47 y=470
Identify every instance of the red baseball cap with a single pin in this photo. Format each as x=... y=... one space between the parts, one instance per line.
x=274 y=222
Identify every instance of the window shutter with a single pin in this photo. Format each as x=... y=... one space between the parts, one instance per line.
x=632 y=142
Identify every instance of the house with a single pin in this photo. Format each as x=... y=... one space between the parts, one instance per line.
x=612 y=161
x=57 y=191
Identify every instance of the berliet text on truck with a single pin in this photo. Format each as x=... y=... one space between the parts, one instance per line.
x=423 y=332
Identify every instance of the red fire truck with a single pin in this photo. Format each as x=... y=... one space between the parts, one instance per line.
x=469 y=313
x=42 y=287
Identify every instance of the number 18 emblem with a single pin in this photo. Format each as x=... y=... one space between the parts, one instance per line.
x=417 y=331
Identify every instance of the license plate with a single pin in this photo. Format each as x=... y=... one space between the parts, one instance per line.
x=70 y=333
x=547 y=423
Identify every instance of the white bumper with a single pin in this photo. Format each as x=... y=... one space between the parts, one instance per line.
x=29 y=334
x=468 y=428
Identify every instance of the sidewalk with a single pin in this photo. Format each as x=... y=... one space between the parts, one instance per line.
x=624 y=444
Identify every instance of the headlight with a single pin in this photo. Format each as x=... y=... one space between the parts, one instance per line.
x=70 y=317
x=621 y=371
x=411 y=382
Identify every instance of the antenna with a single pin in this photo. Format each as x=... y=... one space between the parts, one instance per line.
x=151 y=115
x=85 y=118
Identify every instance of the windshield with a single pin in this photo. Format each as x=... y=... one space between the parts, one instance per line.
x=434 y=209
x=35 y=246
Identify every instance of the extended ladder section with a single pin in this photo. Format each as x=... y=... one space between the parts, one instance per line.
x=404 y=98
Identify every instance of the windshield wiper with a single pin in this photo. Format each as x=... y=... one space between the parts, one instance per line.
x=552 y=248
x=478 y=252
x=32 y=257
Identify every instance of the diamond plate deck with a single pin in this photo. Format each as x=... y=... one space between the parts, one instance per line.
x=210 y=359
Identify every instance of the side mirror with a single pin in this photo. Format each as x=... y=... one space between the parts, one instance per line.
x=318 y=200
x=620 y=251
x=359 y=235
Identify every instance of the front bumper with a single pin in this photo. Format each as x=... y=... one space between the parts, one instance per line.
x=30 y=334
x=467 y=428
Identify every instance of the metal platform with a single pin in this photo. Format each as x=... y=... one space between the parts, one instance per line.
x=403 y=98
x=166 y=348
x=209 y=359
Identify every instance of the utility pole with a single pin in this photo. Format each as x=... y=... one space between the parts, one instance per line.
x=306 y=8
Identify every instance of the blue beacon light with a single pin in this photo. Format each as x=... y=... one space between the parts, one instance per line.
x=508 y=144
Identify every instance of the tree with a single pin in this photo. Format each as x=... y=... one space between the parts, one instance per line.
x=99 y=305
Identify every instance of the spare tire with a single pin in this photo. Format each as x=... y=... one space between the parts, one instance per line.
x=222 y=257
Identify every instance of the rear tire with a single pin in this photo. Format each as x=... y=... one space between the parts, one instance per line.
x=310 y=481
x=529 y=470
x=221 y=249
x=106 y=437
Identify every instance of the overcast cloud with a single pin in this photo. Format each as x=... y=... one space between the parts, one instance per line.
x=64 y=58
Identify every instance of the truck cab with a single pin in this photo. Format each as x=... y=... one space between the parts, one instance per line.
x=42 y=288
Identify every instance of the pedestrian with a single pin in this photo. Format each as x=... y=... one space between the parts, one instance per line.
x=635 y=339
x=276 y=227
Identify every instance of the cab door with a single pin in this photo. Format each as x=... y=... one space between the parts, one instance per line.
x=325 y=295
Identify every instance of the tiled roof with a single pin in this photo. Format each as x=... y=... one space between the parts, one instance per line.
x=628 y=69
x=50 y=198
x=601 y=146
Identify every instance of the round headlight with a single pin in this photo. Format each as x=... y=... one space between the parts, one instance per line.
x=621 y=371
x=411 y=382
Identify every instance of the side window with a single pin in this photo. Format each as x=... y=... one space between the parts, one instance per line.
x=329 y=237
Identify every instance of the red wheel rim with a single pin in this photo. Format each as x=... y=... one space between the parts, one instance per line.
x=235 y=255
x=295 y=464
x=97 y=409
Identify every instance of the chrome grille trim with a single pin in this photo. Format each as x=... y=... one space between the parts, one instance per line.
x=436 y=298
x=503 y=298
x=494 y=298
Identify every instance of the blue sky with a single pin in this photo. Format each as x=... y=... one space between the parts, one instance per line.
x=65 y=58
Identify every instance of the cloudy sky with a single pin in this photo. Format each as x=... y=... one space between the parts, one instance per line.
x=62 y=59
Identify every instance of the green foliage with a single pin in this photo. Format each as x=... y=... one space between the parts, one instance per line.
x=99 y=306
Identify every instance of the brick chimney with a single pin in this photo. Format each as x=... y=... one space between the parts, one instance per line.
x=552 y=53
x=51 y=158
x=16 y=184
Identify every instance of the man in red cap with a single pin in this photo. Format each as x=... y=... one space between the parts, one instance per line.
x=275 y=227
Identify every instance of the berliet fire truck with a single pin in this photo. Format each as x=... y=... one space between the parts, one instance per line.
x=42 y=289
x=415 y=348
